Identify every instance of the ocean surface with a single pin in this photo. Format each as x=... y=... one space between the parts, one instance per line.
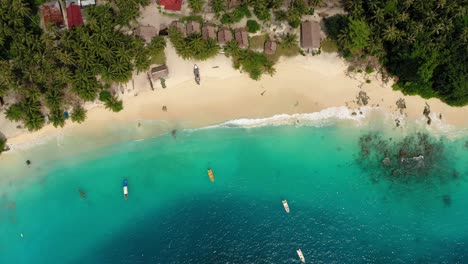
x=357 y=194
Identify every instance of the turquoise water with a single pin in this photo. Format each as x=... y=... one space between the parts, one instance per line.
x=343 y=209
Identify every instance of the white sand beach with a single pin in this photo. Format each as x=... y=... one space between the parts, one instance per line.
x=301 y=85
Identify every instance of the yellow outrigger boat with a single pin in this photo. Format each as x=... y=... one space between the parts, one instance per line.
x=211 y=175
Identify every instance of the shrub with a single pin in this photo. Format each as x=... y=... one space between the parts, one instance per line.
x=252 y=26
x=369 y=69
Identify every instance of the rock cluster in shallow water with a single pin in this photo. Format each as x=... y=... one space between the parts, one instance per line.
x=414 y=158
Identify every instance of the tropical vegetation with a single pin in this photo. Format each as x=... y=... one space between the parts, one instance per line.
x=48 y=71
x=254 y=63
x=196 y=5
x=2 y=144
x=422 y=43
x=252 y=26
x=193 y=46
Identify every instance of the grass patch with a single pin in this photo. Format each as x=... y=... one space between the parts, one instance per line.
x=257 y=42
x=285 y=52
x=160 y=58
x=197 y=18
x=329 y=46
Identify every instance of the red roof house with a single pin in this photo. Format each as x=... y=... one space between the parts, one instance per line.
x=74 y=16
x=51 y=13
x=171 y=5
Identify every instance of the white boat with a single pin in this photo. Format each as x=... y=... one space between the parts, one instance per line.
x=196 y=72
x=301 y=256
x=125 y=189
x=286 y=206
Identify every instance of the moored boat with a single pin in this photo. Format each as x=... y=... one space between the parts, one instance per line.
x=211 y=175
x=286 y=206
x=125 y=189
x=301 y=256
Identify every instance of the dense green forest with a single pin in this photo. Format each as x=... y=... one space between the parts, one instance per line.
x=54 y=70
x=423 y=43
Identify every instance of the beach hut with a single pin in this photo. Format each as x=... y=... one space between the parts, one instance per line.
x=147 y=33
x=52 y=13
x=159 y=72
x=241 y=38
x=180 y=27
x=224 y=36
x=310 y=35
x=171 y=5
x=208 y=32
x=156 y=73
x=270 y=47
x=193 y=27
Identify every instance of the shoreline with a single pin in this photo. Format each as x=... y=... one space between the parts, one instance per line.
x=301 y=85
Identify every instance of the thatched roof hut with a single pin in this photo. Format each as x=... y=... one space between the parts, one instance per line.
x=208 y=32
x=224 y=36
x=310 y=35
x=270 y=47
x=193 y=27
x=180 y=27
x=147 y=33
x=242 y=38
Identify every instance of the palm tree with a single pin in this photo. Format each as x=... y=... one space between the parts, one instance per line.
x=20 y=8
x=54 y=98
x=57 y=117
x=289 y=41
x=78 y=114
x=391 y=34
x=34 y=121
x=15 y=112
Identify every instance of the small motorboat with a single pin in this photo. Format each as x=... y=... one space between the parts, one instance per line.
x=125 y=189
x=211 y=175
x=301 y=256
x=196 y=72
x=286 y=206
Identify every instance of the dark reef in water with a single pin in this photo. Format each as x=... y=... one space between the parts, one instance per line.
x=415 y=158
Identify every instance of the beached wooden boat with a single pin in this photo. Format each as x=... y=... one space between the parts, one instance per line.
x=196 y=72
x=211 y=175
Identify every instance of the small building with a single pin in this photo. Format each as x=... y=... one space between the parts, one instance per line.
x=84 y=3
x=193 y=27
x=270 y=47
x=147 y=33
x=158 y=72
x=224 y=36
x=171 y=5
x=180 y=27
x=310 y=35
x=74 y=16
x=208 y=32
x=242 y=38
x=52 y=13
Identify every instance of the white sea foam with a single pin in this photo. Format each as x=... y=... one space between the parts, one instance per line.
x=324 y=117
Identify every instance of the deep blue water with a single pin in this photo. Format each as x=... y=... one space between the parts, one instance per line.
x=343 y=210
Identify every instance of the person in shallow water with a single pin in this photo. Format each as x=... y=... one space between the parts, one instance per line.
x=28 y=162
